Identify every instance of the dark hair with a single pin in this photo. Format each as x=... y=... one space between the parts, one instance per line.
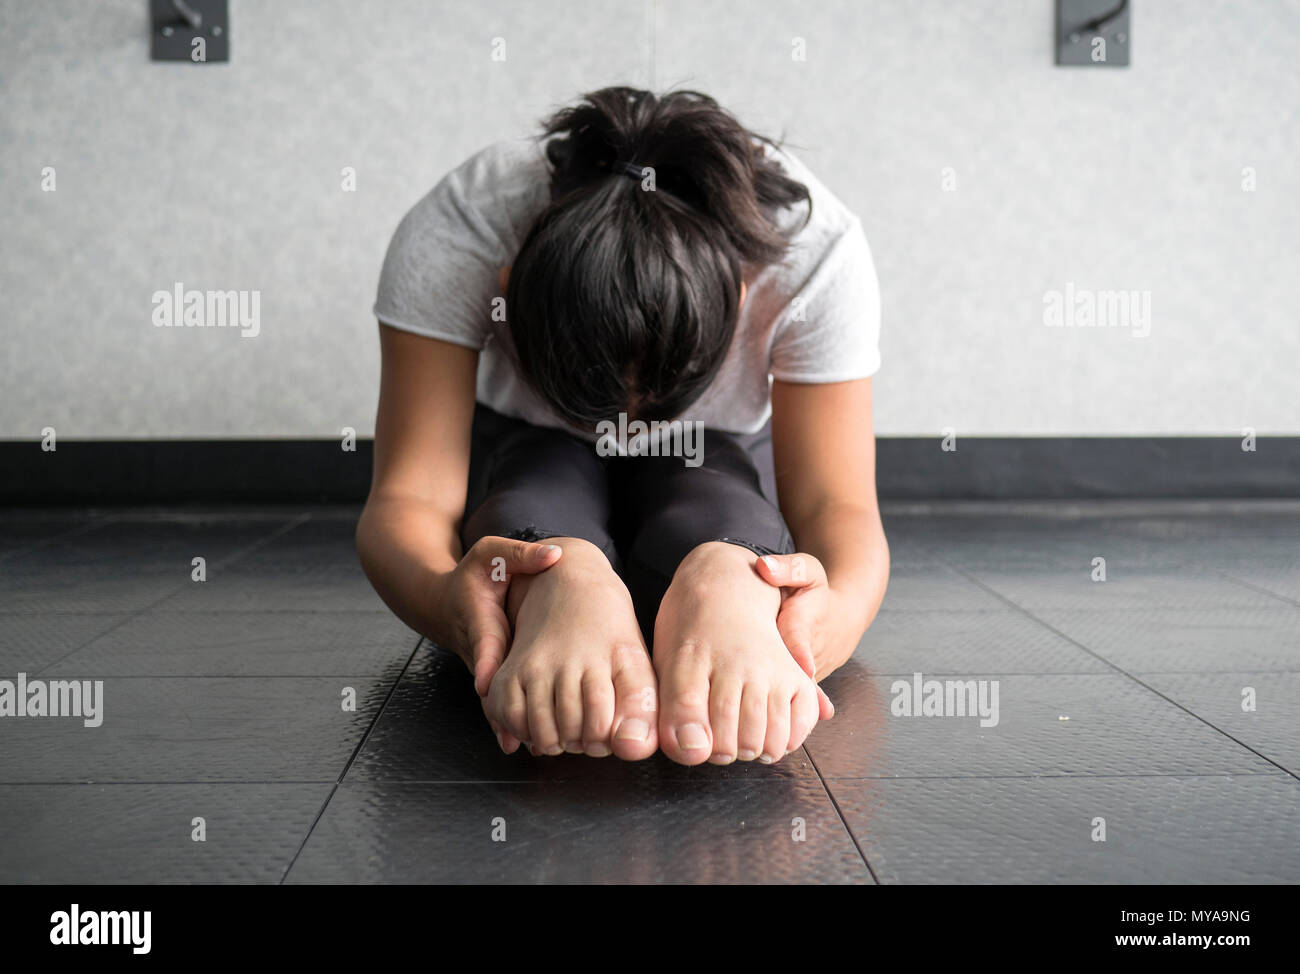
x=626 y=300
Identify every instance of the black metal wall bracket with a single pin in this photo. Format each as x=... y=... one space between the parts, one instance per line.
x=190 y=30
x=1093 y=33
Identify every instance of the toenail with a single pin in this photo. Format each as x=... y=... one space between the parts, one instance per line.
x=746 y=754
x=573 y=747
x=553 y=750
x=765 y=759
x=633 y=729
x=691 y=737
x=723 y=758
x=598 y=750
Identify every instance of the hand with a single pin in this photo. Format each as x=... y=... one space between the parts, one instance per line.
x=806 y=610
x=472 y=600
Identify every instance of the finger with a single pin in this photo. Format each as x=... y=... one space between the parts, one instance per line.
x=798 y=641
x=503 y=557
x=825 y=709
x=489 y=640
x=799 y=644
x=791 y=571
x=795 y=623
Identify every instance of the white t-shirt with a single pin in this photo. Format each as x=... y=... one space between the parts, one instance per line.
x=813 y=317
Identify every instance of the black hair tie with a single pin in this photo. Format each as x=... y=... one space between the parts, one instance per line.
x=630 y=169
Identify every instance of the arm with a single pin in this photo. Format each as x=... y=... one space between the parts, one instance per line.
x=408 y=536
x=825 y=457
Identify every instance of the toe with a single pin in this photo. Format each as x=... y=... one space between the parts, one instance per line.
x=636 y=707
x=569 y=709
x=724 y=717
x=598 y=712
x=684 y=701
x=752 y=734
x=505 y=740
x=777 y=741
x=544 y=736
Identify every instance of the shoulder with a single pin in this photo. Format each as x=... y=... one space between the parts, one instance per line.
x=816 y=231
x=441 y=266
x=493 y=194
x=820 y=304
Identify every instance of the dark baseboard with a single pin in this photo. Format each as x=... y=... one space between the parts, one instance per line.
x=1080 y=467
x=184 y=471
x=96 y=472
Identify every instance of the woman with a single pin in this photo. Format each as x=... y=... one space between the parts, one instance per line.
x=647 y=265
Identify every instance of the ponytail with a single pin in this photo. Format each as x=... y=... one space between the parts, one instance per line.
x=625 y=293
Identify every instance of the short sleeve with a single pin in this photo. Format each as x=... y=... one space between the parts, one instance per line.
x=830 y=330
x=439 y=276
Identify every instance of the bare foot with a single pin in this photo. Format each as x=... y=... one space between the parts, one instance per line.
x=577 y=677
x=730 y=689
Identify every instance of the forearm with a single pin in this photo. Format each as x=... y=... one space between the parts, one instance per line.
x=849 y=541
x=407 y=547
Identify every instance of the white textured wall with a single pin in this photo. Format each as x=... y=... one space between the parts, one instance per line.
x=227 y=176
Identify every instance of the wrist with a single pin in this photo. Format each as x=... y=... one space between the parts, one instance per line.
x=848 y=620
x=440 y=614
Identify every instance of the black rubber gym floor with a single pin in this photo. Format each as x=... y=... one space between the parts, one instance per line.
x=274 y=723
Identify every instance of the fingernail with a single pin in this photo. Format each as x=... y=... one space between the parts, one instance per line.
x=633 y=729
x=691 y=737
x=598 y=750
x=770 y=562
x=550 y=547
x=745 y=754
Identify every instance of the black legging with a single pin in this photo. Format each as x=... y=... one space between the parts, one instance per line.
x=645 y=513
